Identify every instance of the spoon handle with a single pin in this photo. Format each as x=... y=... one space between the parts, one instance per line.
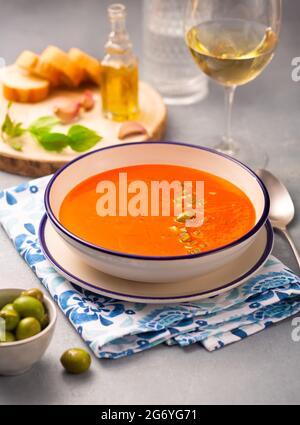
x=292 y=243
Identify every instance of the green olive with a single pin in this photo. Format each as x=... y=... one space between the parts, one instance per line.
x=45 y=321
x=76 y=360
x=27 y=328
x=29 y=307
x=35 y=293
x=9 y=307
x=9 y=337
x=11 y=317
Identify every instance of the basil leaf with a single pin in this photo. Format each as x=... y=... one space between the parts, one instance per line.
x=16 y=145
x=43 y=125
x=18 y=130
x=82 y=138
x=54 y=141
x=10 y=128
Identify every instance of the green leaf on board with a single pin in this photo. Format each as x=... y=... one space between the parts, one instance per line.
x=82 y=138
x=54 y=142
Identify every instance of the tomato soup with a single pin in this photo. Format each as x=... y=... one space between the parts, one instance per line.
x=228 y=214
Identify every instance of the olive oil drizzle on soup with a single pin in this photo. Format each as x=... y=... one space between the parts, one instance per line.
x=228 y=215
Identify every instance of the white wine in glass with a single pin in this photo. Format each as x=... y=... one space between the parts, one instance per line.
x=232 y=41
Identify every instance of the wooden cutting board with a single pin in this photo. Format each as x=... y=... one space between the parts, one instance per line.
x=34 y=161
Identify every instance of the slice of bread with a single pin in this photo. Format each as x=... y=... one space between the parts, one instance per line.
x=20 y=86
x=89 y=65
x=70 y=74
x=33 y=64
x=28 y=60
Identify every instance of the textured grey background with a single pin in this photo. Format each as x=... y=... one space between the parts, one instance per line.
x=263 y=368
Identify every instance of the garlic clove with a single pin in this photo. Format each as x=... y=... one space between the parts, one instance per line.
x=68 y=112
x=131 y=128
x=87 y=100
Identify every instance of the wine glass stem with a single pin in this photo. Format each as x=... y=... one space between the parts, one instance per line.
x=229 y=99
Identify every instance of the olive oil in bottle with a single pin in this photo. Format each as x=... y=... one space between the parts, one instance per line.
x=120 y=76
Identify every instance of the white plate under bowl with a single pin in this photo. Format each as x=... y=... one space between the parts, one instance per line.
x=71 y=266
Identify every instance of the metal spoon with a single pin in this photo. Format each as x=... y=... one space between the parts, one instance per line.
x=282 y=210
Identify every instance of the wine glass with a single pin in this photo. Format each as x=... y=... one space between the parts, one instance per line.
x=232 y=41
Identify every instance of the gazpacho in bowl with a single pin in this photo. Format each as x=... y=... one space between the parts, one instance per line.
x=157 y=211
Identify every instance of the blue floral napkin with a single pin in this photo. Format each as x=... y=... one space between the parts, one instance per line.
x=114 y=329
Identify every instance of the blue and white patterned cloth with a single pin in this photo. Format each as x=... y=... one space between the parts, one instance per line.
x=114 y=329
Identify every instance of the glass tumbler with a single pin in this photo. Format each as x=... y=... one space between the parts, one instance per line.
x=168 y=66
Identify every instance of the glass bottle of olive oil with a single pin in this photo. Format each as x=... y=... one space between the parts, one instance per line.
x=120 y=76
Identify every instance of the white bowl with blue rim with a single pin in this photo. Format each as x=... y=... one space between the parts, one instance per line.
x=156 y=268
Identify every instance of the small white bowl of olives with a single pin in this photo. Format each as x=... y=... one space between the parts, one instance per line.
x=27 y=322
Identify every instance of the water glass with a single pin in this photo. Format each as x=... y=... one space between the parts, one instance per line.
x=168 y=66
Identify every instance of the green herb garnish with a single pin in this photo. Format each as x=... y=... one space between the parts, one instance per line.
x=11 y=130
x=43 y=125
x=79 y=137
x=54 y=141
x=82 y=138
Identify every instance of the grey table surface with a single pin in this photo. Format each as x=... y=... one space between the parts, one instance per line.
x=264 y=368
